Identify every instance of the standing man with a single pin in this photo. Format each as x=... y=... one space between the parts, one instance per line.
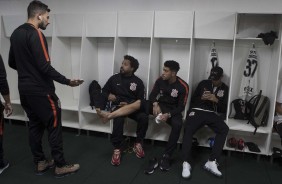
x=208 y=102
x=29 y=56
x=168 y=99
x=124 y=89
x=4 y=90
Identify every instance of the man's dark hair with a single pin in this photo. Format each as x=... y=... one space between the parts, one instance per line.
x=133 y=62
x=172 y=65
x=36 y=7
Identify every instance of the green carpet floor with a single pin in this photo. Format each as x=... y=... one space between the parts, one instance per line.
x=93 y=153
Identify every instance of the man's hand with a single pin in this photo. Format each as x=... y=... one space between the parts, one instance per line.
x=112 y=97
x=164 y=117
x=75 y=82
x=8 y=109
x=156 y=109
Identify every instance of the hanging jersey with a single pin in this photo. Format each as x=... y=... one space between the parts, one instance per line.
x=248 y=86
x=212 y=62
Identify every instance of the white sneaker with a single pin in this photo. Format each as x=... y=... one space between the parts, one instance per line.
x=186 y=170
x=211 y=166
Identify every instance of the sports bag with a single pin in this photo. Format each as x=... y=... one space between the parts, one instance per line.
x=259 y=106
x=240 y=109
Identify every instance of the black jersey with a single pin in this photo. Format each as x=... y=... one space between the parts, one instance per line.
x=221 y=93
x=125 y=88
x=174 y=95
x=29 y=56
x=4 y=88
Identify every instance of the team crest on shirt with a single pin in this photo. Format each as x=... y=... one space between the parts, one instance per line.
x=192 y=113
x=174 y=93
x=133 y=86
x=220 y=93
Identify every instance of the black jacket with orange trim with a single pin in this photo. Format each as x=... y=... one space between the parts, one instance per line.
x=29 y=56
x=172 y=95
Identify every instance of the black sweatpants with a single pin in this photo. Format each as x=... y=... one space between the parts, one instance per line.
x=44 y=112
x=1 y=133
x=142 y=125
x=196 y=119
x=176 y=123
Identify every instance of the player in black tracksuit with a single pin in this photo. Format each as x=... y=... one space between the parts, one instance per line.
x=4 y=90
x=29 y=56
x=169 y=97
x=208 y=107
x=126 y=88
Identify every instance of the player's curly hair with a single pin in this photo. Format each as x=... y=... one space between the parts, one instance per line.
x=133 y=62
x=172 y=65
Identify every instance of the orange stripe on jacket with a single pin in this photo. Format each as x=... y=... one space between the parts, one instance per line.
x=52 y=103
x=43 y=46
x=186 y=89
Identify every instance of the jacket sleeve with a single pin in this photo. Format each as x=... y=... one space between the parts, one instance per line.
x=196 y=97
x=182 y=100
x=11 y=60
x=155 y=92
x=223 y=102
x=141 y=91
x=42 y=62
x=4 y=88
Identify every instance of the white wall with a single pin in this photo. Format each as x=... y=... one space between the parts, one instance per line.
x=79 y=6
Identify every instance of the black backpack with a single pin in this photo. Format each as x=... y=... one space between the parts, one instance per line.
x=241 y=108
x=95 y=94
x=259 y=105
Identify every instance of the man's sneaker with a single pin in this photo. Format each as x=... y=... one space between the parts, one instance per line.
x=165 y=162
x=139 y=150
x=186 y=171
x=66 y=170
x=4 y=166
x=211 y=166
x=43 y=166
x=153 y=164
x=116 y=157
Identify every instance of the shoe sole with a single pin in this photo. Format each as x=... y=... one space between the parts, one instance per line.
x=4 y=168
x=64 y=175
x=210 y=171
x=151 y=172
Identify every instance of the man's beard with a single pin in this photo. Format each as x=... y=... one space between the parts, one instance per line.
x=41 y=26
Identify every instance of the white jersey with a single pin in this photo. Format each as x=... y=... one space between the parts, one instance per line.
x=248 y=86
x=212 y=62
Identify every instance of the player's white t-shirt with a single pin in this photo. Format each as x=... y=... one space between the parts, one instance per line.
x=278 y=117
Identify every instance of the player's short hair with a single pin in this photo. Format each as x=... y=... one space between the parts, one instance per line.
x=36 y=7
x=172 y=65
x=133 y=62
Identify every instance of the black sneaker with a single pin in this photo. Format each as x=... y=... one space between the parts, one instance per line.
x=4 y=166
x=153 y=164
x=165 y=162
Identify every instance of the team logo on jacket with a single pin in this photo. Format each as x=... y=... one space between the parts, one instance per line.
x=220 y=93
x=133 y=86
x=192 y=113
x=174 y=93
